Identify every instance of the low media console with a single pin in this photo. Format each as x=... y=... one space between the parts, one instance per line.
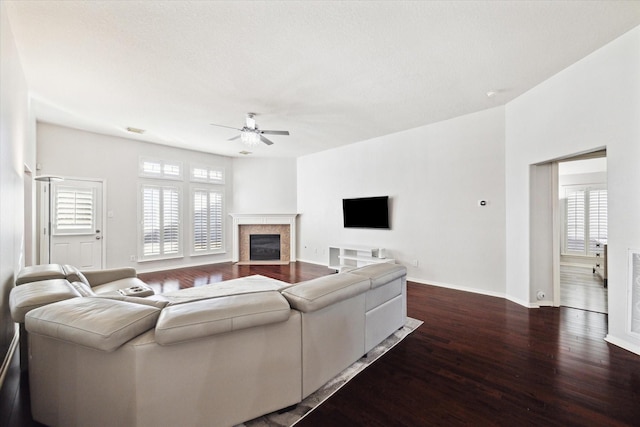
x=346 y=257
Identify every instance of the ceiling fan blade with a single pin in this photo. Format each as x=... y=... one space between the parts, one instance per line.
x=275 y=132
x=265 y=140
x=235 y=137
x=223 y=126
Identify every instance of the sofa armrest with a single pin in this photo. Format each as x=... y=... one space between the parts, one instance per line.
x=100 y=277
x=323 y=291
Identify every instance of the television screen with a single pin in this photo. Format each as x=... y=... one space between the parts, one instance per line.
x=366 y=212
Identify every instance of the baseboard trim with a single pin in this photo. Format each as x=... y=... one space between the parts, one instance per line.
x=8 y=357
x=476 y=291
x=622 y=344
x=313 y=262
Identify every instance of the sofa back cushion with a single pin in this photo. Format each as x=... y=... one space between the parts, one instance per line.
x=381 y=274
x=99 y=323
x=197 y=319
x=32 y=295
x=324 y=291
x=35 y=273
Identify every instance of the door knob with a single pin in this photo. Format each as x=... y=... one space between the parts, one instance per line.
x=98 y=237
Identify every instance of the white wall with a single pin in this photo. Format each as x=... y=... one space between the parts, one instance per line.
x=264 y=185
x=75 y=153
x=434 y=176
x=17 y=148
x=594 y=103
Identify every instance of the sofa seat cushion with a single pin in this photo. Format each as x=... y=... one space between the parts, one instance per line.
x=242 y=285
x=36 y=273
x=193 y=320
x=36 y=294
x=321 y=292
x=381 y=274
x=98 y=323
x=116 y=285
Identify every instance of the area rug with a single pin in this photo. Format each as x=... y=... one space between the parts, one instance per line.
x=303 y=408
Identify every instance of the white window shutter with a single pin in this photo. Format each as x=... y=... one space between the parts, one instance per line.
x=207 y=220
x=597 y=218
x=585 y=220
x=575 y=226
x=73 y=211
x=160 y=221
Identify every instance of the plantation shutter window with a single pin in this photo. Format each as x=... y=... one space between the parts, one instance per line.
x=208 y=174
x=207 y=221
x=162 y=169
x=597 y=219
x=575 y=221
x=160 y=222
x=73 y=210
x=585 y=220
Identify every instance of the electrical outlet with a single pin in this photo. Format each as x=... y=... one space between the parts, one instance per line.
x=414 y=262
x=132 y=258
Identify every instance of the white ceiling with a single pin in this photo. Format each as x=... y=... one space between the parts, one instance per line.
x=332 y=73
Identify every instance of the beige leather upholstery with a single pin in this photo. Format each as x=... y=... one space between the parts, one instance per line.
x=35 y=273
x=386 y=302
x=185 y=322
x=98 y=323
x=27 y=297
x=114 y=286
x=323 y=291
x=220 y=380
x=100 y=277
x=380 y=274
x=216 y=355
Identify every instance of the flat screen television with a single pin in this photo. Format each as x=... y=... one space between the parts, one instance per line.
x=366 y=212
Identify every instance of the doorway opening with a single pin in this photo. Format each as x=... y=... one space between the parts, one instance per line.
x=582 y=191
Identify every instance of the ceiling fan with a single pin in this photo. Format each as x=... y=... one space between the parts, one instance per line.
x=250 y=134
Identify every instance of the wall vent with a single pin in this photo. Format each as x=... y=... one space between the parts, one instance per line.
x=634 y=288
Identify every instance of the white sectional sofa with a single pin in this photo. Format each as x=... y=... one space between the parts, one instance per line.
x=216 y=355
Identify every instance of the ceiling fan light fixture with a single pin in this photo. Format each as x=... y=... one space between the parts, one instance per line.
x=250 y=137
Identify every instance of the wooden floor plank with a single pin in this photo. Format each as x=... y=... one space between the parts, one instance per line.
x=581 y=288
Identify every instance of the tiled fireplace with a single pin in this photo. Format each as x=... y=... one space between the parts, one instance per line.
x=246 y=225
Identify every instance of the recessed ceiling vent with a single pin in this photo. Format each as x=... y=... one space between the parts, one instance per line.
x=136 y=130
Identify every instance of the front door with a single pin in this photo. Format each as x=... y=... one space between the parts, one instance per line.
x=76 y=226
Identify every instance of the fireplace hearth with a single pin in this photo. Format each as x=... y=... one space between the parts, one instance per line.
x=264 y=247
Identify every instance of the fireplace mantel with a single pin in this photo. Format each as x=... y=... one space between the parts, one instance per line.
x=266 y=219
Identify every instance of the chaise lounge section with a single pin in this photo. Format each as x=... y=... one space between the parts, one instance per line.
x=203 y=357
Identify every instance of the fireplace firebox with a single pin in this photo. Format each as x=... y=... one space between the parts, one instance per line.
x=264 y=247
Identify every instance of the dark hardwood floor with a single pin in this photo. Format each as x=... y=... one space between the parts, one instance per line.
x=476 y=360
